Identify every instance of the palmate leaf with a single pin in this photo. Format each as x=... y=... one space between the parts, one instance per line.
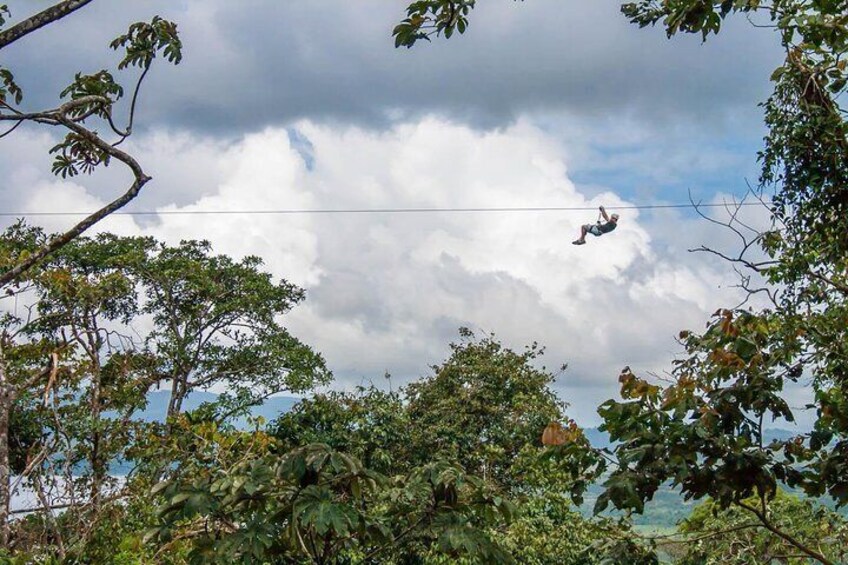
x=64 y=166
x=99 y=84
x=466 y=540
x=77 y=155
x=8 y=86
x=325 y=516
x=145 y=40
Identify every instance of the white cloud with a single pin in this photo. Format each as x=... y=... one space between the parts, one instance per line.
x=388 y=291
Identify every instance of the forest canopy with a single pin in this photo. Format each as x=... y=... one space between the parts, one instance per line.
x=451 y=467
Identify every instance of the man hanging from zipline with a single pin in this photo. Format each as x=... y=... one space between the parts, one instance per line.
x=598 y=229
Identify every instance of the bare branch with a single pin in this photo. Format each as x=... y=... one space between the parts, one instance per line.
x=128 y=131
x=39 y=20
x=758 y=267
x=840 y=287
x=54 y=370
x=11 y=129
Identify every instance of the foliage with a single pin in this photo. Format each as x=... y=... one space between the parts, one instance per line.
x=91 y=102
x=82 y=371
x=144 y=41
x=217 y=321
x=731 y=536
x=317 y=505
x=25 y=432
x=113 y=534
x=95 y=95
x=704 y=430
x=392 y=433
x=481 y=407
x=547 y=531
x=371 y=425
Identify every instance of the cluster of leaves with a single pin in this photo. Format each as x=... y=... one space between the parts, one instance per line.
x=144 y=41
x=688 y=16
x=432 y=17
x=547 y=531
x=113 y=534
x=732 y=536
x=704 y=431
x=370 y=424
x=99 y=88
x=9 y=87
x=94 y=95
x=483 y=406
x=317 y=505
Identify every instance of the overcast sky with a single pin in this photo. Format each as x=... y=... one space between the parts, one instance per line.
x=306 y=104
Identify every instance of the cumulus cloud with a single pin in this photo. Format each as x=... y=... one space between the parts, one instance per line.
x=387 y=292
x=540 y=103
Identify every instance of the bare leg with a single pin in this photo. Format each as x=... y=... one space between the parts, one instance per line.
x=582 y=239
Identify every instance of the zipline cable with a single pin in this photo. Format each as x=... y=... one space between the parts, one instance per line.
x=385 y=210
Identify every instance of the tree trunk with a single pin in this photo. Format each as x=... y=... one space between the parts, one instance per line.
x=93 y=346
x=98 y=466
x=173 y=402
x=179 y=390
x=7 y=397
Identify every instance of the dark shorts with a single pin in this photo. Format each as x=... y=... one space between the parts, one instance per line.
x=593 y=229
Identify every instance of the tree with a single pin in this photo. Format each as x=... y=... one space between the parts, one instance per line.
x=217 y=322
x=234 y=500
x=82 y=370
x=369 y=424
x=481 y=407
x=704 y=431
x=713 y=535
x=548 y=531
x=484 y=408
x=91 y=98
x=87 y=302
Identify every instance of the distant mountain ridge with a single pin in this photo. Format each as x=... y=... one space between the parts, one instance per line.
x=157 y=405
x=157 y=409
x=601 y=440
x=275 y=406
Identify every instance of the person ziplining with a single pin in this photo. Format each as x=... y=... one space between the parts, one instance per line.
x=599 y=228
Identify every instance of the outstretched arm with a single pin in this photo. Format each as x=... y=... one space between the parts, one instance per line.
x=604 y=214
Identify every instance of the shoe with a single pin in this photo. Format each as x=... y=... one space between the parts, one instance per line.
x=578 y=242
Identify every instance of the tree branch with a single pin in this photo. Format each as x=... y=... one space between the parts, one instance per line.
x=39 y=20
x=783 y=535
x=63 y=239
